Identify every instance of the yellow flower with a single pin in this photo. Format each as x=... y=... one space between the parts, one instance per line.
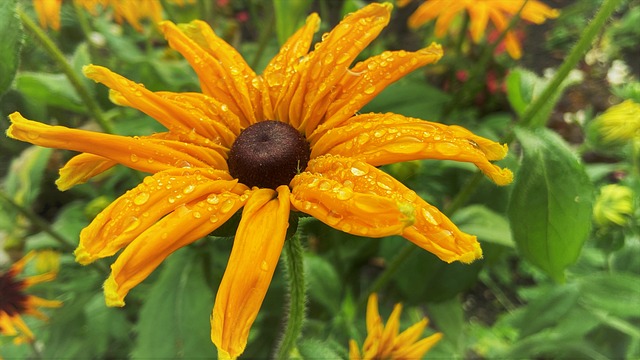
x=480 y=12
x=284 y=140
x=131 y=11
x=15 y=302
x=620 y=122
x=614 y=205
x=383 y=341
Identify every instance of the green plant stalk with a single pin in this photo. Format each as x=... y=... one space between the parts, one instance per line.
x=297 y=287
x=465 y=193
x=60 y=59
x=41 y=224
x=577 y=53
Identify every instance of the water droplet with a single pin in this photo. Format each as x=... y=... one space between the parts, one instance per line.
x=234 y=71
x=385 y=182
x=141 y=198
x=171 y=199
x=447 y=149
x=133 y=158
x=32 y=135
x=213 y=219
x=344 y=193
x=343 y=58
x=189 y=189
x=197 y=214
x=363 y=138
x=346 y=227
x=264 y=266
x=333 y=218
x=213 y=199
x=324 y=185
x=224 y=107
x=372 y=65
x=370 y=90
x=359 y=168
x=134 y=222
x=427 y=215
x=226 y=206
x=328 y=59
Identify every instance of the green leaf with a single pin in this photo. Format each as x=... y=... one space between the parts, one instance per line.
x=23 y=182
x=324 y=282
x=290 y=15
x=174 y=320
x=520 y=86
x=551 y=203
x=314 y=349
x=11 y=44
x=49 y=89
x=617 y=294
x=486 y=224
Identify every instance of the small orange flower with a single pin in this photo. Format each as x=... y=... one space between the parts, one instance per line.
x=289 y=139
x=385 y=343
x=15 y=302
x=480 y=12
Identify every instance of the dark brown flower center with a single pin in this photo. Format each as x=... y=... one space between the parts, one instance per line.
x=268 y=154
x=13 y=300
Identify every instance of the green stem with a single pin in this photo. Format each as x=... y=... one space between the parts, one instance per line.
x=41 y=224
x=577 y=53
x=74 y=79
x=295 y=271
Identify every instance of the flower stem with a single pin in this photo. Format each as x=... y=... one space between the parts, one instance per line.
x=297 y=286
x=57 y=55
x=529 y=119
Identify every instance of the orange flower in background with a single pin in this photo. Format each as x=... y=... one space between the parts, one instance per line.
x=480 y=12
x=385 y=341
x=15 y=302
x=289 y=139
x=130 y=11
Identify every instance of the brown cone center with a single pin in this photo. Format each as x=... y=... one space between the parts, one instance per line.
x=268 y=154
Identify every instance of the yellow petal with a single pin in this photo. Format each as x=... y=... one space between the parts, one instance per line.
x=82 y=167
x=141 y=207
x=333 y=200
x=48 y=12
x=418 y=349
x=186 y=224
x=253 y=259
x=426 y=12
x=478 y=17
x=140 y=153
x=390 y=332
x=34 y=301
x=354 y=351
x=411 y=334
x=281 y=70
x=429 y=229
x=368 y=78
x=381 y=139
x=223 y=73
x=329 y=62
x=447 y=13
x=511 y=42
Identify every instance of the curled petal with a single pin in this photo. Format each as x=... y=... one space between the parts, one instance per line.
x=381 y=139
x=140 y=153
x=81 y=168
x=256 y=250
x=282 y=68
x=223 y=73
x=139 y=208
x=368 y=78
x=186 y=224
x=430 y=230
x=333 y=201
x=329 y=62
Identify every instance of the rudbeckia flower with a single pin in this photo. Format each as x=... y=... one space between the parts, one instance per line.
x=480 y=12
x=385 y=341
x=289 y=139
x=131 y=11
x=16 y=302
x=619 y=123
x=614 y=205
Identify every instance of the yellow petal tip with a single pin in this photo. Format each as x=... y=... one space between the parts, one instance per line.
x=111 y=296
x=82 y=256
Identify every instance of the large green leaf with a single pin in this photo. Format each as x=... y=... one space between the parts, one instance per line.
x=551 y=203
x=174 y=320
x=11 y=30
x=49 y=89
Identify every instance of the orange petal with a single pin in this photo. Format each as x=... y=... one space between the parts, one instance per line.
x=174 y=115
x=511 y=41
x=186 y=224
x=81 y=168
x=431 y=230
x=48 y=12
x=368 y=78
x=250 y=268
x=447 y=13
x=381 y=139
x=426 y=12
x=331 y=191
x=329 y=62
x=223 y=73
x=141 y=207
x=140 y=153
x=281 y=70
x=478 y=18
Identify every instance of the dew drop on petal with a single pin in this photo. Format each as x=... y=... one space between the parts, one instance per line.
x=344 y=194
x=32 y=135
x=427 y=215
x=226 y=206
x=134 y=222
x=133 y=158
x=213 y=219
x=264 y=266
x=197 y=214
x=363 y=138
x=359 y=168
x=141 y=198
x=189 y=189
x=171 y=199
x=333 y=218
x=213 y=199
x=370 y=90
x=447 y=149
